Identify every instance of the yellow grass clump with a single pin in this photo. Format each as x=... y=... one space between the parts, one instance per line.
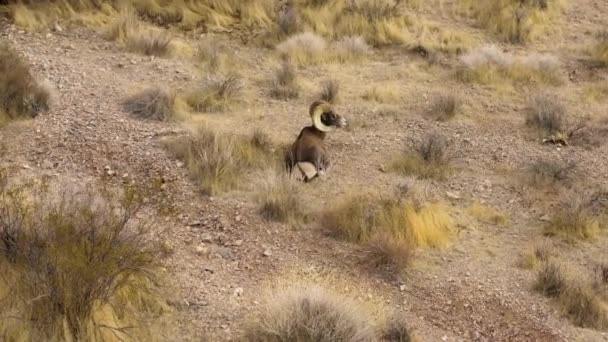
x=280 y=199
x=429 y=159
x=381 y=94
x=486 y=214
x=514 y=21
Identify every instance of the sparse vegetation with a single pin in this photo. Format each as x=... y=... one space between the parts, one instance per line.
x=397 y=330
x=573 y=220
x=430 y=159
x=549 y=173
x=600 y=52
x=390 y=227
x=312 y=313
x=539 y=255
x=280 y=200
x=490 y=65
x=76 y=264
x=486 y=214
x=512 y=20
x=21 y=96
x=214 y=54
x=351 y=49
x=577 y=297
x=285 y=83
x=446 y=106
x=381 y=94
x=154 y=103
x=303 y=48
x=546 y=113
x=138 y=37
x=217 y=162
x=330 y=89
x=218 y=93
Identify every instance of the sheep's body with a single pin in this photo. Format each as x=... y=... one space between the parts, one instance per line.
x=308 y=152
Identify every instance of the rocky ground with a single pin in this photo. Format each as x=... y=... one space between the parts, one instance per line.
x=224 y=254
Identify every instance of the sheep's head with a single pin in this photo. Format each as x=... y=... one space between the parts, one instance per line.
x=324 y=118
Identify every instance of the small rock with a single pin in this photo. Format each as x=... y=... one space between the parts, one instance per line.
x=202 y=250
x=58 y=28
x=267 y=253
x=179 y=164
x=207 y=238
x=402 y=288
x=111 y=173
x=238 y=291
x=545 y=218
x=196 y=224
x=238 y=242
x=238 y=218
x=381 y=168
x=452 y=195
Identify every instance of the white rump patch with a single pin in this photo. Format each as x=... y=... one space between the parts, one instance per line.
x=308 y=169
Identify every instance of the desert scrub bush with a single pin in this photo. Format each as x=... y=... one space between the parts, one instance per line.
x=153 y=103
x=546 y=113
x=330 y=91
x=538 y=256
x=575 y=294
x=574 y=220
x=551 y=173
x=280 y=200
x=446 y=106
x=486 y=214
x=489 y=65
x=514 y=21
x=429 y=159
x=21 y=96
x=351 y=49
x=599 y=53
x=397 y=330
x=77 y=264
x=218 y=161
x=381 y=94
x=217 y=94
x=303 y=48
x=150 y=42
x=312 y=313
x=391 y=228
x=285 y=83
x=214 y=54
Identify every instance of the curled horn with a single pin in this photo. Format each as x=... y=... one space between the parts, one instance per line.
x=316 y=110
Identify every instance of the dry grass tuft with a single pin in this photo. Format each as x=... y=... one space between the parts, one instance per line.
x=538 y=256
x=280 y=200
x=446 y=106
x=150 y=42
x=579 y=299
x=289 y=20
x=550 y=173
x=217 y=94
x=303 y=48
x=312 y=313
x=512 y=20
x=21 y=96
x=486 y=214
x=216 y=161
x=490 y=65
x=381 y=94
x=285 y=83
x=330 y=89
x=77 y=264
x=600 y=52
x=574 y=220
x=430 y=159
x=213 y=53
x=546 y=113
x=351 y=49
x=153 y=103
x=391 y=229
x=397 y=330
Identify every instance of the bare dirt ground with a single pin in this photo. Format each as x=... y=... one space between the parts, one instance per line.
x=473 y=291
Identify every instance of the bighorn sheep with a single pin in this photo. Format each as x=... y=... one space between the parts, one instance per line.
x=308 y=152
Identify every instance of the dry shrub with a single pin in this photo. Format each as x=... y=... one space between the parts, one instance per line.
x=285 y=83
x=216 y=161
x=218 y=93
x=575 y=294
x=280 y=200
x=430 y=159
x=289 y=20
x=549 y=173
x=303 y=48
x=213 y=53
x=446 y=106
x=122 y=27
x=546 y=113
x=381 y=94
x=312 y=313
x=600 y=52
x=391 y=227
x=154 y=103
x=76 y=264
x=490 y=65
x=574 y=220
x=21 y=96
x=397 y=330
x=538 y=256
x=486 y=214
x=351 y=49
x=150 y=42
x=515 y=21
x=330 y=89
